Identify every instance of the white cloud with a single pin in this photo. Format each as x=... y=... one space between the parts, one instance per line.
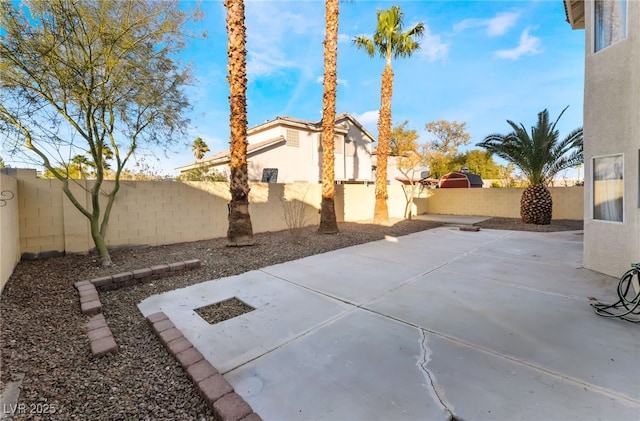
x=269 y=44
x=368 y=117
x=344 y=38
x=342 y=82
x=529 y=45
x=432 y=46
x=265 y=63
x=495 y=26
x=501 y=23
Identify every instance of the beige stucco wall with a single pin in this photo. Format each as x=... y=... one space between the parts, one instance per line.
x=9 y=227
x=612 y=126
x=567 y=202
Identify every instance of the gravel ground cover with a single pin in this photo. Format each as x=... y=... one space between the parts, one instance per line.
x=43 y=333
x=517 y=225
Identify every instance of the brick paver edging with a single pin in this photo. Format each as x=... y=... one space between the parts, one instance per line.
x=214 y=389
x=100 y=337
x=138 y=276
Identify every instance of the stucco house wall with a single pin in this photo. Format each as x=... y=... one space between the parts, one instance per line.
x=293 y=147
x=612 y=128
x=294 y=163
x=357 y=152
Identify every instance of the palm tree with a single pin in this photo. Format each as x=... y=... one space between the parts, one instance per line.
x=199 y=148
x=80 y=164
x=391 y=42
x=540 y=156
x=240 y=232
x=107 y=154
x=328 y=223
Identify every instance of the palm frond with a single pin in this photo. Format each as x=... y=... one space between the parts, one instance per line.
x=389 y=40
x=364 y=43
x=540 y=155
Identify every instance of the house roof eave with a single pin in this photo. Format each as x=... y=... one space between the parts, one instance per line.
x=357 y=124
x=574 y=11
x=222 y=157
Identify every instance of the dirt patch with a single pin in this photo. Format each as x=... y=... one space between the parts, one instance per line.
x=224 y=310
x=515 y=224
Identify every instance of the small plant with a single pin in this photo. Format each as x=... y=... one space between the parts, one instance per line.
x=296 y=216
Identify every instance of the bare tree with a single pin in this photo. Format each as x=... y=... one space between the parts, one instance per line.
x=80 y=78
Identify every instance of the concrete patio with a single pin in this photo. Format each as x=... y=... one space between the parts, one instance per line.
x=489 y=325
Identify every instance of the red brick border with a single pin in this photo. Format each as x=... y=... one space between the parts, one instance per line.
x=101 y=339
x=138 y=276
x=100 y=336
x=214 y=389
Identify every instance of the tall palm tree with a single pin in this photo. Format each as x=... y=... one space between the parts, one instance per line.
x=199 y=148
x=390 y=42
x=540 y=156
x=240 y=232
x=328 y=223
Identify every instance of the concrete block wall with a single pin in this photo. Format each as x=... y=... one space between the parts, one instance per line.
x=165 y=212
x=162 y=212
x=358 y=201
x=41 y=219
x=76 y=230
x=568 y=202
x=9 y=227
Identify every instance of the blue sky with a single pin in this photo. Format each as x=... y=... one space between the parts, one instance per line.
x=481 y=62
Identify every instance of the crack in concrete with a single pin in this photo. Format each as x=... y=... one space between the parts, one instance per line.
x=436 y=390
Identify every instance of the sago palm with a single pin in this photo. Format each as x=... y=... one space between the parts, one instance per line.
x=240 y=232
x=540 y=156
x=328 y=223
x=390 y=41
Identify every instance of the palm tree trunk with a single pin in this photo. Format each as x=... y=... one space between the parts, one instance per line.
x=381 y=211
x=240 y=232
x=328 y=223
x=536 y=205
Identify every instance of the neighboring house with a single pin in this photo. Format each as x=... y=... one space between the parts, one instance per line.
x=611 y=131
x=288 y=150
x=395 y=175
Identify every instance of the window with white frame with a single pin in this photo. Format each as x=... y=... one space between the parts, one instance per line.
x=293 y=138
x=608 y=188
x=610 y=25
